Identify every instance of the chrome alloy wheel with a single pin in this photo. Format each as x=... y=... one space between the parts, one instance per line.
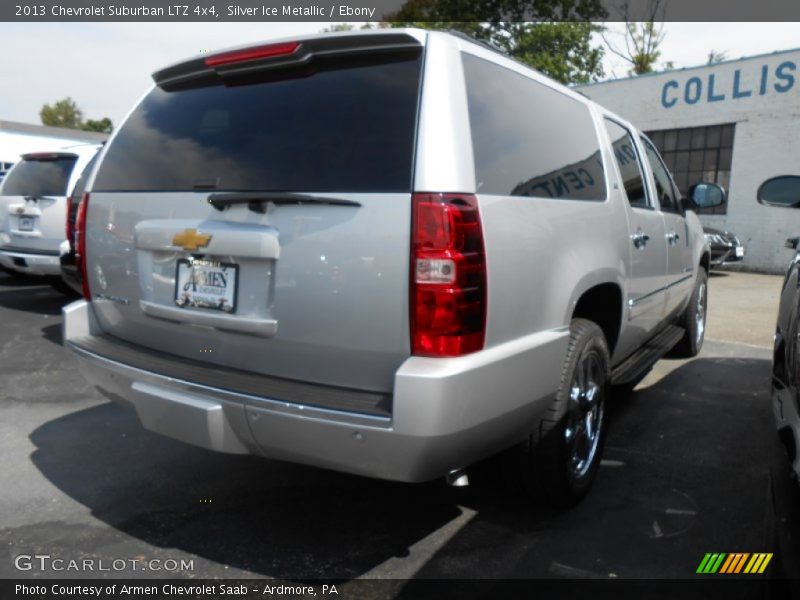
x=700 y=314
x=584 y=419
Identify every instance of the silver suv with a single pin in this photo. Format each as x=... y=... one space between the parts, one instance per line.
x=33 y=209
x=389 y=253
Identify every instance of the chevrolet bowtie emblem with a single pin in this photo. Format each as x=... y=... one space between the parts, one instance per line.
x=191 y=239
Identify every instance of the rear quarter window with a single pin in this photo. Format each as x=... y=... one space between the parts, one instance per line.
x=349 y=128
x=529 y=139
x=39 y=178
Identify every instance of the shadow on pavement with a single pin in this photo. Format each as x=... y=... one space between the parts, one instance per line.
x=18 y=279
x=31 y=294
x=686 y=471
x=54 y=334
x=271 y=518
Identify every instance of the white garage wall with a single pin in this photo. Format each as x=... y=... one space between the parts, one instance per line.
x=761 y=94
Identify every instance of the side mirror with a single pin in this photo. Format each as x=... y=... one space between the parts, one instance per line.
x=706 y=195
x=793 y=242
x=780 y=191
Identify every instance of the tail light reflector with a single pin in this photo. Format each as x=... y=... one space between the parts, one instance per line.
x=80 y=245
x=448 y=275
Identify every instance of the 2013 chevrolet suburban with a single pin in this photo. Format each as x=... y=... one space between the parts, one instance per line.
x=389 y=253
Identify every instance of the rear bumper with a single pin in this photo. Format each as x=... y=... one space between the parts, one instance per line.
x=445 y=413
x=31 y=262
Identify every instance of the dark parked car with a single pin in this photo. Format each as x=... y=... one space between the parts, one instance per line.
x=725 y=247
x=785 y=192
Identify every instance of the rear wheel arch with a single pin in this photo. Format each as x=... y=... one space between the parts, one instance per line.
x=602 y=304
x=705 y=262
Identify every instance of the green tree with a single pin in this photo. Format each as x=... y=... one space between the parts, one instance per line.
x=442 y=12
x=552 y=36
x=350 y=27
x=338 y=27
x=103 y=125
x=645 y=38
x=642 y=40
x=65 y=113
x=563 y=51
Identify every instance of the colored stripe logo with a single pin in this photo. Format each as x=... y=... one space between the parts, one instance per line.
x=734 y=563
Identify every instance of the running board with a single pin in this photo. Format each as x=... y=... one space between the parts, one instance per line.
x=644 y=358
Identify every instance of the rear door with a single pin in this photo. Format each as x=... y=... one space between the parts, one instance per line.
x=33 y=198
x=262 y=220
x=648 y=256
x=679 y=252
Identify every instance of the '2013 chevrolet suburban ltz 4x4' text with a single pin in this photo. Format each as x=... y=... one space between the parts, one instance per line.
x=389 y=253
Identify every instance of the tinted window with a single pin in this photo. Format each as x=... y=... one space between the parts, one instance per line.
x=33 y=177
x=344 y=129
x=667 y=196
x=528 y=139
x=627 y=160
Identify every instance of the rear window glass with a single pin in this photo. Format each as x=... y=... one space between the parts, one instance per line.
x=39 y=178
x=344 y=129
x=529 y=139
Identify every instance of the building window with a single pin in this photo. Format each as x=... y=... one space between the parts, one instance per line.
x=696 y=154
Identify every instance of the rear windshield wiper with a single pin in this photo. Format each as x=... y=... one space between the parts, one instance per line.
x=257 y=201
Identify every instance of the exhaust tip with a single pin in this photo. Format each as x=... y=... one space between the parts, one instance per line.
x=457 y=478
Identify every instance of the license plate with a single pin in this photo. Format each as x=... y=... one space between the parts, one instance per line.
x=26 y=223
x=739 y=251
x=206 y=284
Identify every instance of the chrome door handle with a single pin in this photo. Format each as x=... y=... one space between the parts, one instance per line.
x=672 y=238
x=640 y=239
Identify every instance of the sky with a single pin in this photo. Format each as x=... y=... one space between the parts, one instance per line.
x=106 y=67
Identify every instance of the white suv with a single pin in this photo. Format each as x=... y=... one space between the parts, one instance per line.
x=33 y=208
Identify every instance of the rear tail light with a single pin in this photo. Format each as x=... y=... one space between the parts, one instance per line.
x=448 y=275
x=268 y=51
x=80 y=245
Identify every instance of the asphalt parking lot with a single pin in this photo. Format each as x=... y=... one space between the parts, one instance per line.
x=691 y=466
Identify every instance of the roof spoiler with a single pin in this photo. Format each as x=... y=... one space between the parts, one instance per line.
x=252 y=60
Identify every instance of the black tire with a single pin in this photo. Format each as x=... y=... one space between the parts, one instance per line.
x=693 y=319
x=558 y=462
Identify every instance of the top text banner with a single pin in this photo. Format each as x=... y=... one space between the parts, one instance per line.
x=399 y=10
